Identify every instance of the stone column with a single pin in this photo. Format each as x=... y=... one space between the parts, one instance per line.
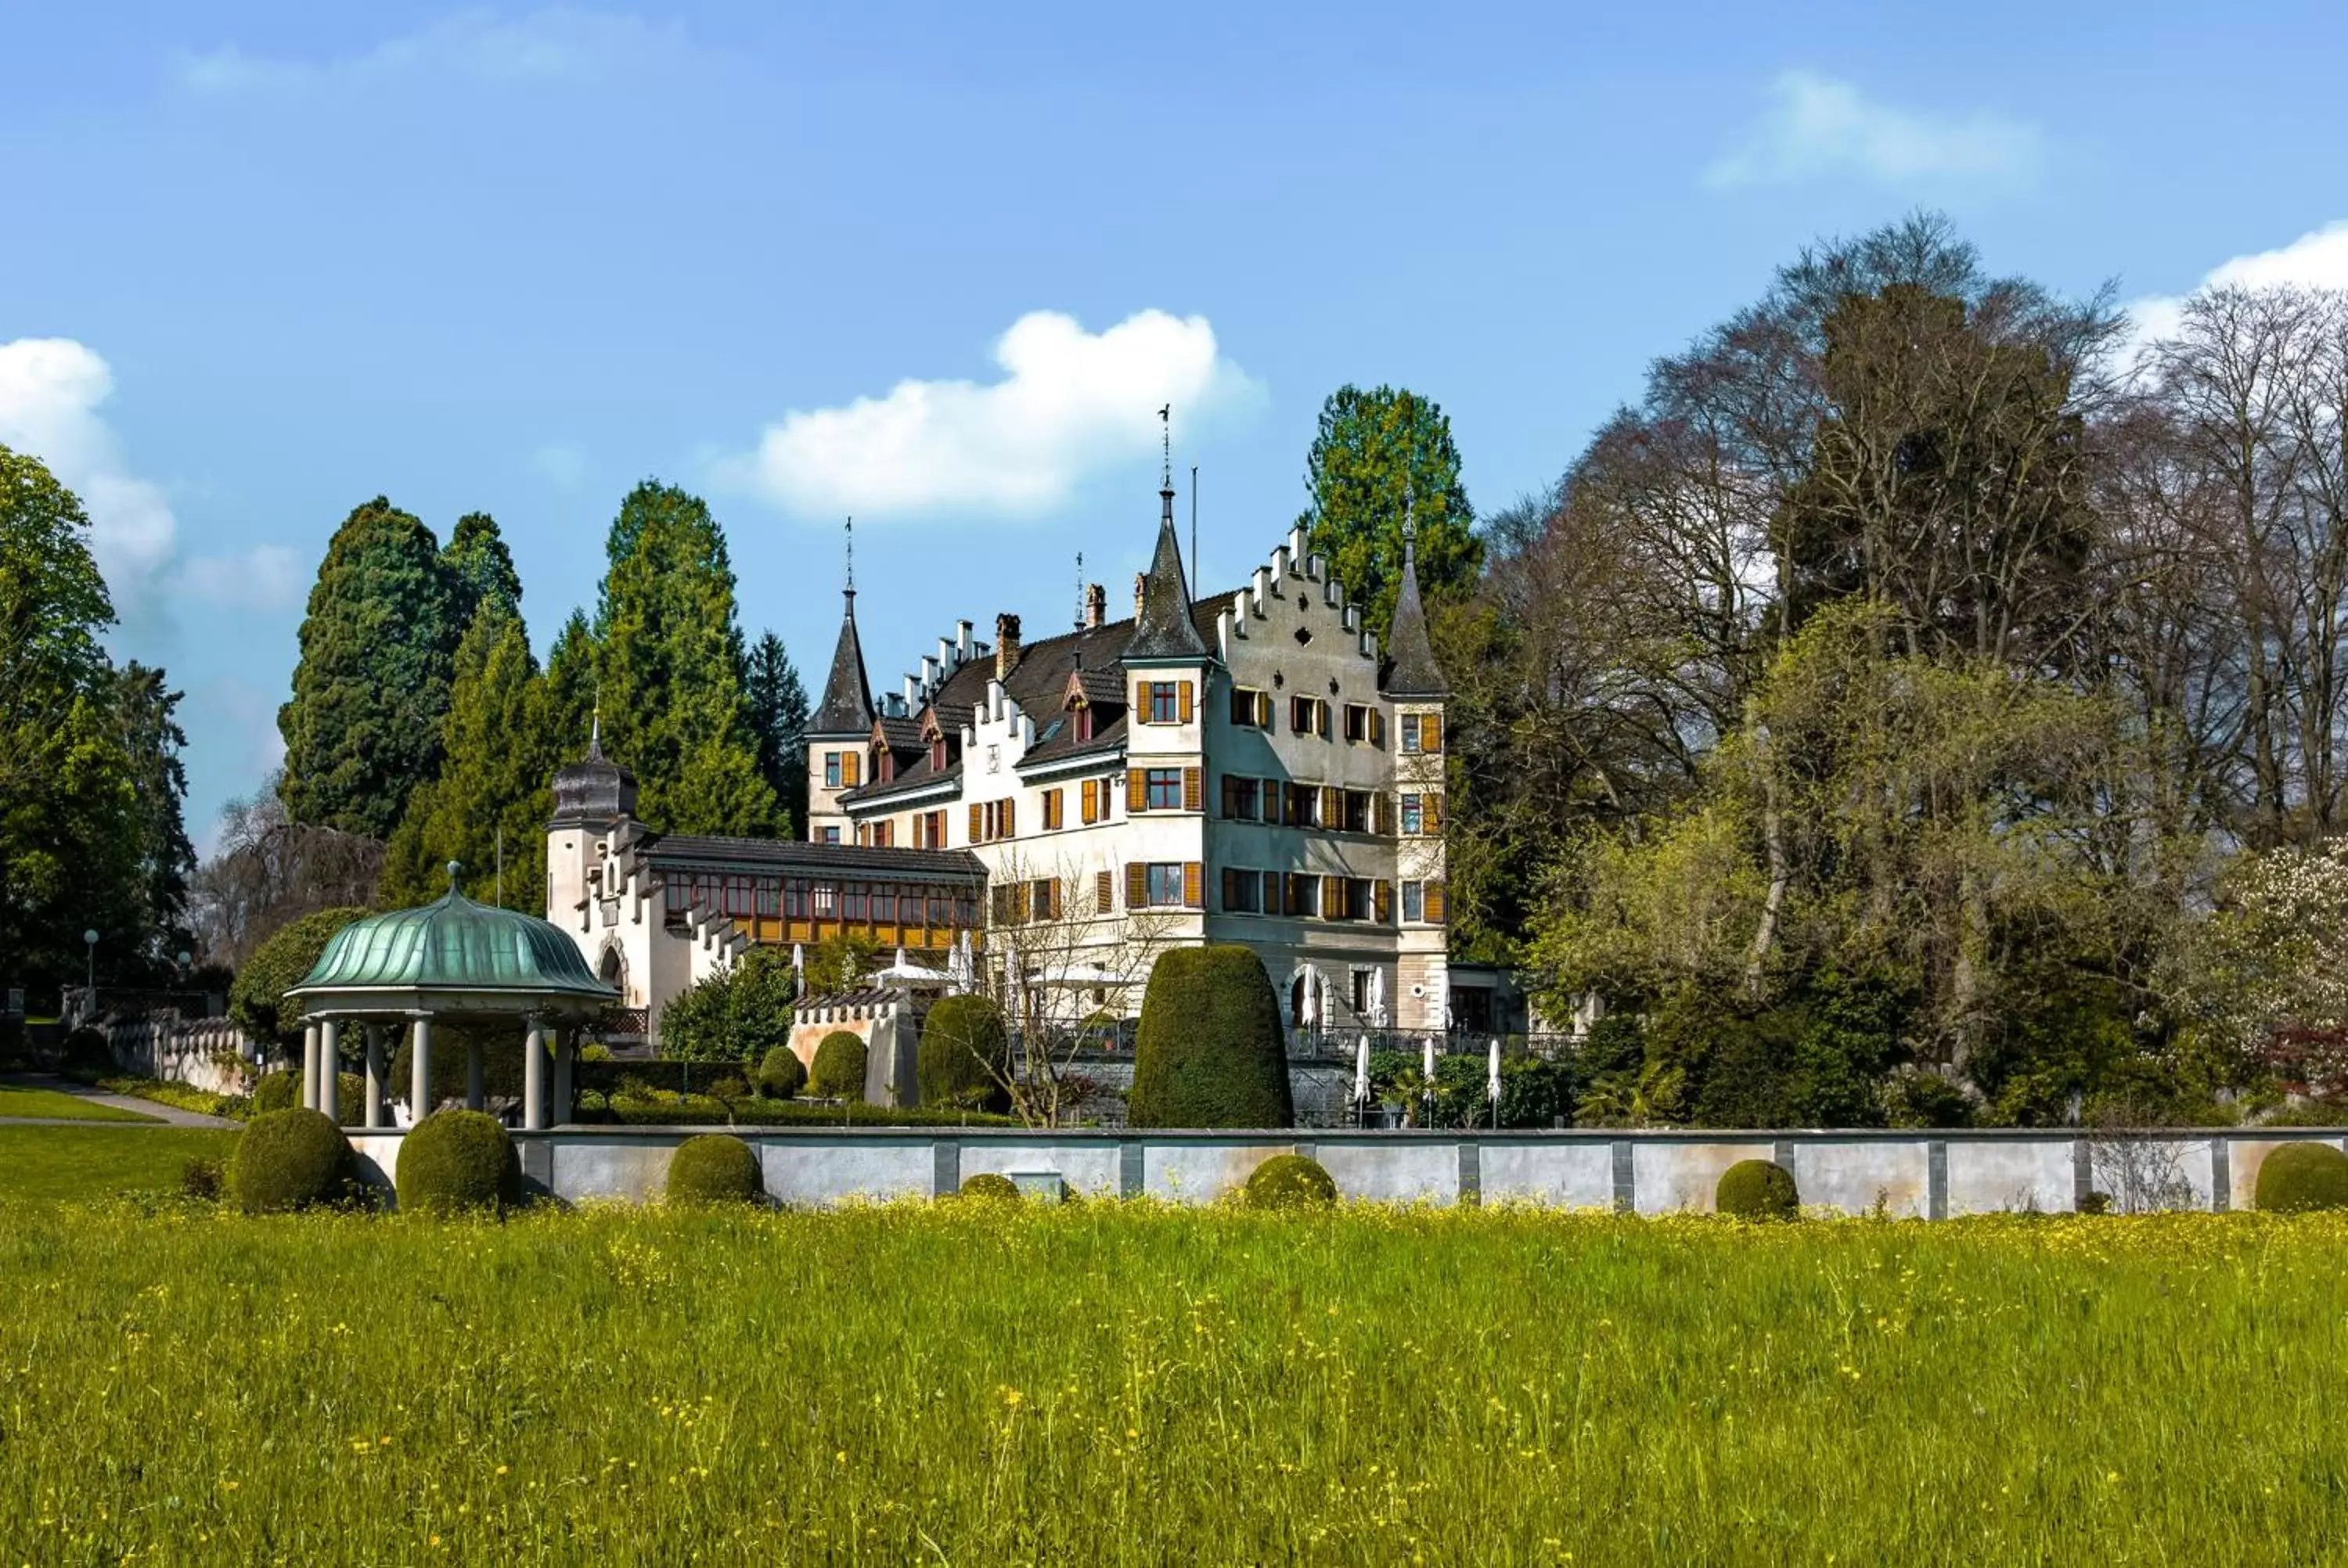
x=419 y=1071
x=566 y=1048
x=533 y=1077
x=371 y=1113
x=330 y=1069
x=476 y=1096
x=310 y=1065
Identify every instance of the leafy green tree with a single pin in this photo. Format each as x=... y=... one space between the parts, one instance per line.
x=738 y=1016
x=371 y=690
x=778 y=711
x=480 y=570
x=256 y=1002
x=494 y=786
x=673 y=671
x=75 y=838
x=566 y=692
x=1377 y=454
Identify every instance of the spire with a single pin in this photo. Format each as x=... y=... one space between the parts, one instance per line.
x=1162 y=628
x=1411 y=670
x=596 y=732
x=846 y=708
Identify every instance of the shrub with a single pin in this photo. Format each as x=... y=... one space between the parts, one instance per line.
x=965 y=1055
x=278 y=964
x=838 y=1067
x=201 y=1179
x=86 y=1054
x=988 y=1187
x=1291 y=1181
x=280 y=1091
x=291 y=1160
x=2299 y=1177
x=456 y=1161
x=782 y=1075
x=594 y=1051
x=714 y=1168
x=729 y=1089
x=1758 y=1190
x=1210 y=1051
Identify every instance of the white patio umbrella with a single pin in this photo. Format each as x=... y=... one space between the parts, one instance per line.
x=1495 y=1082
x=1427 y=1063
x=1311 y=1014
x=799 y=967
x=1377 y=999
x=960 y=967
x=1362 y=1072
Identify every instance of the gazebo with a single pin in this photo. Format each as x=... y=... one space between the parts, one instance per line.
x=453 y=960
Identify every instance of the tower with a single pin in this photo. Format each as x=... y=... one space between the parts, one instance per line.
x=840 y=729
x=1414 y=683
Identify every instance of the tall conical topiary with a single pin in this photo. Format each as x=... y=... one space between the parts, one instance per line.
x=674 y=670
x=1210 y=1051
x=371 y=689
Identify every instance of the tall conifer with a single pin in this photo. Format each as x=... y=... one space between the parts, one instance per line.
x=495 y=780
x=778 y=711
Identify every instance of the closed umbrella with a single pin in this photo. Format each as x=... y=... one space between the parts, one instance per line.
x=1495 y=1083
x=1428 y=1043
x=1362 y=1075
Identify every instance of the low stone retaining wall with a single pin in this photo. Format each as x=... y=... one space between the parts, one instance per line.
x=1903 y=1175
x=211 y=1054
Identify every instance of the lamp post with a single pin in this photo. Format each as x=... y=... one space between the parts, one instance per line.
x=89 y=970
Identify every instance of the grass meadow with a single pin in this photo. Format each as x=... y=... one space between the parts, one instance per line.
x=51 y=1103
x=1111 y=1383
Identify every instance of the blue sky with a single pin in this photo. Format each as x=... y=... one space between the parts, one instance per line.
x=263 y=262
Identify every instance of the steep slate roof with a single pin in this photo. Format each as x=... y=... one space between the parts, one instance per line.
x=1411 y=670
x=1039 y=683
x=1165 y=627
x=847 y=705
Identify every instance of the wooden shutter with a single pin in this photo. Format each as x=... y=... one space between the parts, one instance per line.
x=850 y=762
x=1333 y=897
x=1010 y=818
x=1141 y=702
x=1382 y=901
x=1320 y=717
x=1194 y=789
x=1089 y=797
x=1435 y=903
x=1135 y=791
x=1382 y=814
x=1231 y=890
x=1290 y=893
x=1136 y=885
x=1270 y=902
x=1377 y=727
x=977 y=823
x=1183 y=693
x=1104 y=892
x=1430 y=732
x=1433 y=807
x=1264 y=710
x=1333 y=806
x=1194 y=877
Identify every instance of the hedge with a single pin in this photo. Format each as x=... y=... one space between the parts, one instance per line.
x=964 y=1055
x=838 y=1068
x=2299 y=1178
x=1758 y=1190
x=456 y=1161
x=1210 y=1051
x=1289 y=1182
x=660 y=1109
x=714 y=1168
x=291 y=1160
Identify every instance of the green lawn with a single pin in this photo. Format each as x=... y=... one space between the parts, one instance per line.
x=51 y=1164
x=958 y=1383
x=20 y=1101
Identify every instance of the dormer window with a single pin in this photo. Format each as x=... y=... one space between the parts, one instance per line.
x=1084 y=722
x=938 y=755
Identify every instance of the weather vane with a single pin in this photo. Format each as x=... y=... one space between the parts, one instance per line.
x=1166 y=440
x=852 y=558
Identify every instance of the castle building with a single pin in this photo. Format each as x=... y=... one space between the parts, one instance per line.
x=1257 y=767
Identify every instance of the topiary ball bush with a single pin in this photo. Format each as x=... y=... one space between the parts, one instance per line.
x=838 y=1068
x=714 y=1168
x=2298 y=1178
x=989 y=1186
x=1291 y=1181
x=291 y=1160
x=782 y=1075
x=280 y=1091
x=457 y=1162
x=1758 y=1190
x=1210 y=1051
x=964 y=1056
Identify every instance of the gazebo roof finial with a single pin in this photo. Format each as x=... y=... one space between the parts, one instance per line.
x=454 y=867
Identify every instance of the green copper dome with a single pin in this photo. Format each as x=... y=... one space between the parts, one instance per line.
x=454 y=945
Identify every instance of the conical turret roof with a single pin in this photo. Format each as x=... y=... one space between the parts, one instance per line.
x=1411 y=670
x=1162 y=630
x=847 y=705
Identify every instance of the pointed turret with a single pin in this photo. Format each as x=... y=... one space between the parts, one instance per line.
x=1162 y=628
x=847 y=705
x=1411 y=670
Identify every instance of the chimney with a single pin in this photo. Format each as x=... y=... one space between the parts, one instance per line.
x=1140 y=587
x=1096 y=605
x=1006 y=646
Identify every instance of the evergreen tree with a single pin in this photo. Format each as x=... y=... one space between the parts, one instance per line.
x=480 y=572
x=566 y=695
x=152 y=742
x=1374 y=451
x=496 y=782
x=371 y=691
x=672 y=669
x=778 y=711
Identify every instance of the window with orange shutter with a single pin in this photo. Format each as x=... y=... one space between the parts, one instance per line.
x=1103 y=893
x=1183 y=703
x=1194 y=882
x=1194 y=789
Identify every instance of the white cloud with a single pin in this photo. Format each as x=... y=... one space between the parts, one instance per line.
x=2316 y=259
x=1070 y=404
x=561 y=463
x=50 y=390
x=558 y=44
x=1816 y=128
